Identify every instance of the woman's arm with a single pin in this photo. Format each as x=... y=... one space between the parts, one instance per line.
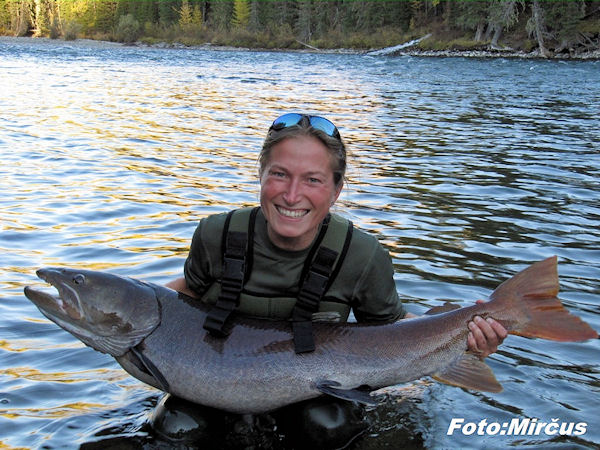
x=180 y=285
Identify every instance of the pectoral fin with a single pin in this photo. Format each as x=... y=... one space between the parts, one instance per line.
x=359 y=394
x=145 y=365
x=471 y=373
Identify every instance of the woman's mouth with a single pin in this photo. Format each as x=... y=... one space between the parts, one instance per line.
x=292 y=213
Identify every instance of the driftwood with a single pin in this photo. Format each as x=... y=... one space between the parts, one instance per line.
x=309 y=46
x=391 y=50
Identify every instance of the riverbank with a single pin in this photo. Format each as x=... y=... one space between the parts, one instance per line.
x=412 y=50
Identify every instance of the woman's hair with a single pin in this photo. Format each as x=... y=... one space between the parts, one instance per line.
x=335 y=146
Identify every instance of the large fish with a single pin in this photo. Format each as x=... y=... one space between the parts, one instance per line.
x=156 y=335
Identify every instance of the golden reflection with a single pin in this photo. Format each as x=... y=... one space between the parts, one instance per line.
x=57 y=412
x=24 y=345
x=28 y=373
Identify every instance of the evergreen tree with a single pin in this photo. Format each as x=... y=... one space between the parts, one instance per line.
x=241 y=13
x=304 y=23
x=536 y=26
x=222 y=12
x=472 y=15
x=168 y=11
x=562 y=19
x=185 y=15
x=502 y=14
x=105 y=15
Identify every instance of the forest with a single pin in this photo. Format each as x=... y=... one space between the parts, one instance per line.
x=552 y=27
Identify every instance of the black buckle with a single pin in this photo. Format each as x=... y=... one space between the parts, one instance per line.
x=304 y=341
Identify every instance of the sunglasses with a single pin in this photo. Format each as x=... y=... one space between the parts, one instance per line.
x=318 y=123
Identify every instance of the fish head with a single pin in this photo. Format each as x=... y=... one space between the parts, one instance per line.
x=107 y=312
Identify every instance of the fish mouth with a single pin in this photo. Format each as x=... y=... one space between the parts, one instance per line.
x=65 y=305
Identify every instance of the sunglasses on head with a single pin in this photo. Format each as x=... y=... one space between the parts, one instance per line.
x=318 y=123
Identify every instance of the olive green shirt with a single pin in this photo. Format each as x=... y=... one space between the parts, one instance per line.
x=364 y=283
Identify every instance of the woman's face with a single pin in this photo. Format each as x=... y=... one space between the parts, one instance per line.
x=296 y=191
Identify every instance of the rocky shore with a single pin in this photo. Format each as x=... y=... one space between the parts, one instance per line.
x=401 y=50
x=499 y=54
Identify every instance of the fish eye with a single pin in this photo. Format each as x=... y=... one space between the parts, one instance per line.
x=79 y=279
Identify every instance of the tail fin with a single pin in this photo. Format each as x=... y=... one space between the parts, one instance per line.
x=532 y=308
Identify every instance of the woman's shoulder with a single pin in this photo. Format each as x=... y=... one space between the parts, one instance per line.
x=363 y=245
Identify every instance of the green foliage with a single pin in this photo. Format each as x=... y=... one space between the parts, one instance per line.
x=54 y=31
x=185 y=14
x=222 y=12
x=71 y=31
x=241 y=13
x=128 y=29
x=321 y=23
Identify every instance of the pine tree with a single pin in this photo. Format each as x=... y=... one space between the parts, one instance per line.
x=185 y=15
x=536 y=26
x=241 y=13
x=472 y=15
x=222 y=12
x=562 y=19
x=502 y=14
x=167 y=11
x=304 y=23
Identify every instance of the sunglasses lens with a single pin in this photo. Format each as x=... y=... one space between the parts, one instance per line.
x=320 y=123
x=324 y=125
x=287 y=120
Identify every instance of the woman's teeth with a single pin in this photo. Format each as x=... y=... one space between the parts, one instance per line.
x=294 y=213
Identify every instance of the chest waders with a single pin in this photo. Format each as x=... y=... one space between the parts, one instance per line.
x=321 y=267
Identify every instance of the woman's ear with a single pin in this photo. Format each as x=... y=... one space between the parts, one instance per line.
x=337 y=192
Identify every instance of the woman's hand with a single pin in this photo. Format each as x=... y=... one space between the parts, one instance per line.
x=485 y=335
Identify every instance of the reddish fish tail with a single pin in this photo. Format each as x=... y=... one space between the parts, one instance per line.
x=527 y=305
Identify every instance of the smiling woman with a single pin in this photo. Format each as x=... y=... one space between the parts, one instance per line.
x=291 y=258
x=302 y=167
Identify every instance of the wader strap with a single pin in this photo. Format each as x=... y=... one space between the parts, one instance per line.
x=309 y=298
x=237 y=259
x=318 y=279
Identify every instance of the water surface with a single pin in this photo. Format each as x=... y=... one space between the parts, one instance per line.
x=467 y=170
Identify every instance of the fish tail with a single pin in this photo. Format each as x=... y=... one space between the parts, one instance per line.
x=527 y=305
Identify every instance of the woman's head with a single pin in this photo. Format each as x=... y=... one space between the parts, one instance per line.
x=302 y=167
x=294 y=125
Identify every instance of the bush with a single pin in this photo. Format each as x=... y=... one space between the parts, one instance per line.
x=54 y=31
x=71 y=30
x=128 y=29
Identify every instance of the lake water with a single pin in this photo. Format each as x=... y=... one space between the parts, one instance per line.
x=467 y=170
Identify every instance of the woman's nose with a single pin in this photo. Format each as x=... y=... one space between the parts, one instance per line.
x=292 y=193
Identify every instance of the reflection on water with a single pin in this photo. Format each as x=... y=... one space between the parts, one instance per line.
x=466 y=170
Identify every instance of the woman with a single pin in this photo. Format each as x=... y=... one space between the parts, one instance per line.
x=291 y=258
x=302 y=168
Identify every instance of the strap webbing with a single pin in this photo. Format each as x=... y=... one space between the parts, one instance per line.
x=237 y=250
x=231 y=284
x=309 y=297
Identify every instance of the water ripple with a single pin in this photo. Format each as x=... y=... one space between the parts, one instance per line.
x=466 y=170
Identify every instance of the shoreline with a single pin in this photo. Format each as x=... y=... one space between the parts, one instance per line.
x=408 y=51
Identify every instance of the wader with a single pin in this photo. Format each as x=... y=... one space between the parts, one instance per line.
x=321 y=267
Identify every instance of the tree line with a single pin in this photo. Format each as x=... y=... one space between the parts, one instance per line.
x=550 y=25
